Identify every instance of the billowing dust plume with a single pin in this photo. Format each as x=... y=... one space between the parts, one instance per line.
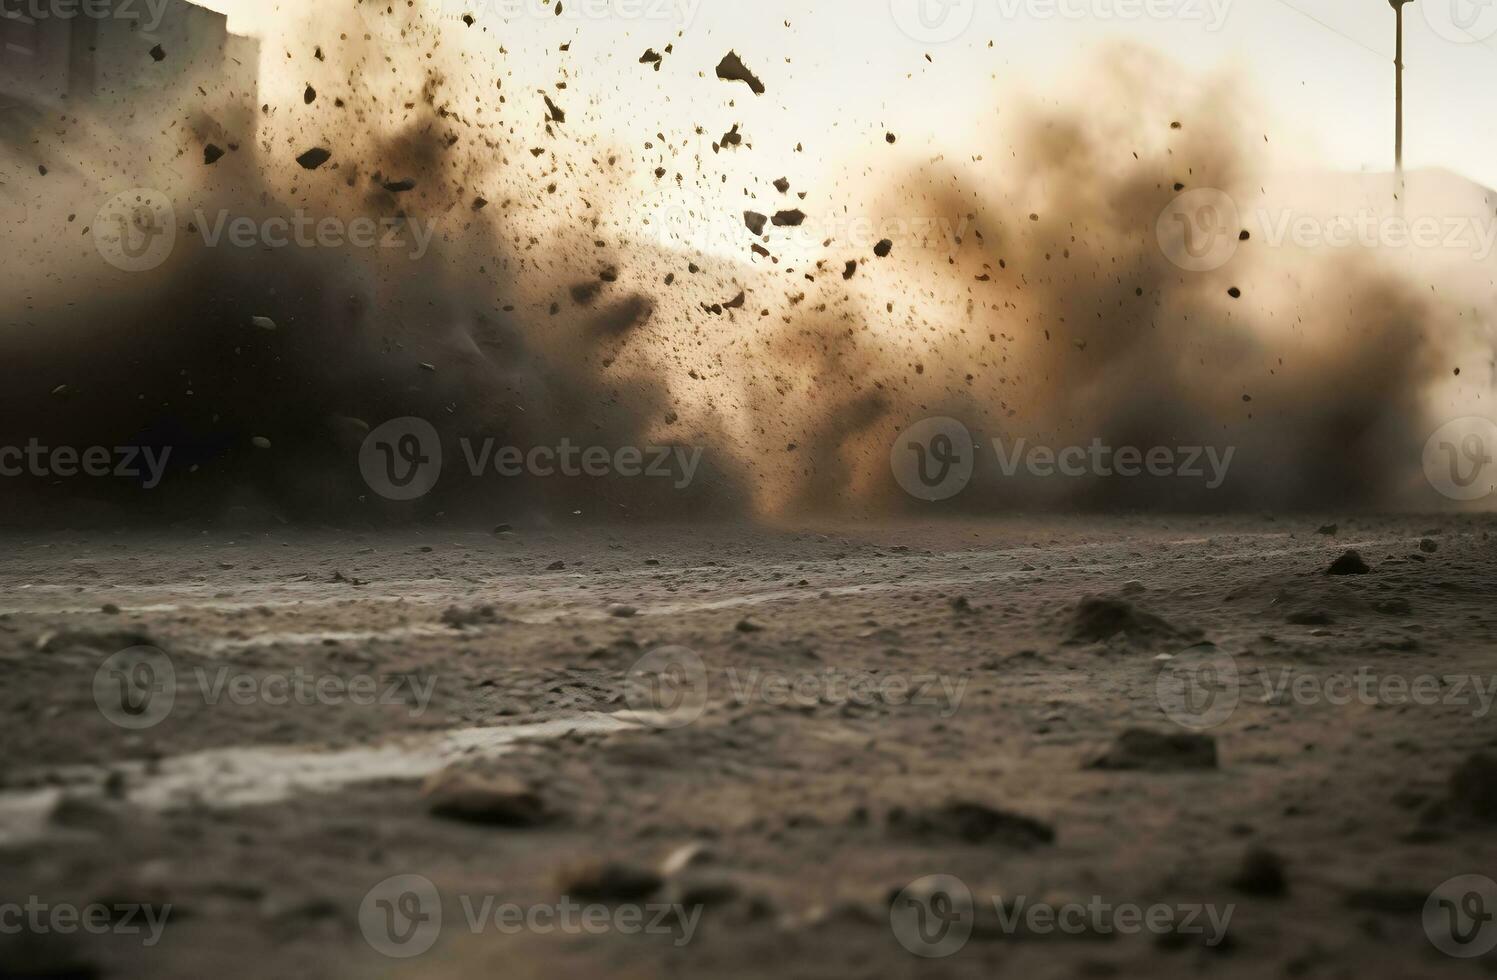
x=524 y=292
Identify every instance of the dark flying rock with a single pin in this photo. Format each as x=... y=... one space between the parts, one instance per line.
x=314 y=158
x=732 y=69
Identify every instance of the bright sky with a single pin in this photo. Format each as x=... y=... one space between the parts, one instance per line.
x=1322 y=67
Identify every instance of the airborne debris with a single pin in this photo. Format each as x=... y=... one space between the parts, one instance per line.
x=314 y=158
x=732 y=69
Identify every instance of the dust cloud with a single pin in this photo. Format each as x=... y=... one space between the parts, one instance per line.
x=523 y=291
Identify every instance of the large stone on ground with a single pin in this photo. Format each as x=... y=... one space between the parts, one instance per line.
x=1143 y=750
x=502 y=801
x=973 y=823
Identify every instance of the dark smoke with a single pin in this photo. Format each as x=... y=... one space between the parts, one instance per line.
x=1049 y=314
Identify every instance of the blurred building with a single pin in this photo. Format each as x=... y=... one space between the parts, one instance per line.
x=126 y=57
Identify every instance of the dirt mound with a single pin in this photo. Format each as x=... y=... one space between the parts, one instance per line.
x=1098 y=619
x=974 y=823
x=1150 y=751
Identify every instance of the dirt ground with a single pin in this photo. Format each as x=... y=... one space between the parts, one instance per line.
x=880 y=706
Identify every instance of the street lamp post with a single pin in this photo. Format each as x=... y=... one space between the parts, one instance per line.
x=1398 y=6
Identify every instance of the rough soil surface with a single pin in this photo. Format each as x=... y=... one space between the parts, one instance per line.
x=1325 y=825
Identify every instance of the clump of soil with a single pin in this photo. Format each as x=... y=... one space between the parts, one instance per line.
x=608 y=881
x=1262 y=874
x=497 y=800
x=1473 y=787
x=1098 y=619
x=732 y=69
x=974 y=823
x=1139 y=749
x=1350 y=563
